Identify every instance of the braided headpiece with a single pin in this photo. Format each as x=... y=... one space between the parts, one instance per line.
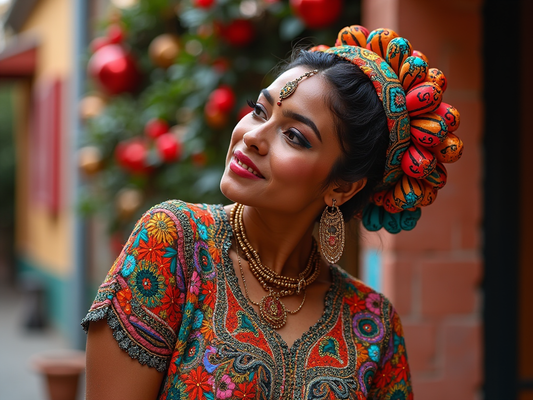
x=420 y=124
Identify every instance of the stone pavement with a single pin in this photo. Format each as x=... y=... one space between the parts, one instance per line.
x=17 y=345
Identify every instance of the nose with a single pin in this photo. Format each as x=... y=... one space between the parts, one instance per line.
x=257 y=140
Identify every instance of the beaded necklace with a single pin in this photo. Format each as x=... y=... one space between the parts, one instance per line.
x=271 y=308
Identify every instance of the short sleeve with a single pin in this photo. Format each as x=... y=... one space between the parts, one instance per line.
x=143 y=295
x=392 y=380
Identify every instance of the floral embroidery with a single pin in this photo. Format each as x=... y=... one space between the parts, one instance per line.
x=373 y=303
x=161 y=227
x=174 y=302
x=197 y=382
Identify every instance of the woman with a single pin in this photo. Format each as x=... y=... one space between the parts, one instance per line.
x=212 y=301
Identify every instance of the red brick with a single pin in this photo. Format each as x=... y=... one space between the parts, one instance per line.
x=397 y=284
x=449 y=287
x=442 y=389
x=462 y=349
x=420 y=342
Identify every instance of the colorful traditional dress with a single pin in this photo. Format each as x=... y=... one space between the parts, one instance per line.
x=174 y=303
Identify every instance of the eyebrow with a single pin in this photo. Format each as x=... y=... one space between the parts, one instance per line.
x=269 y=98
x=304 y=120
x=293 y=115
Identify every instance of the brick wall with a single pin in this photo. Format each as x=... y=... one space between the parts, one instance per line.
x=433 y=273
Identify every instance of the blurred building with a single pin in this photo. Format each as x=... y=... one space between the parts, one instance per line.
x=40 y=56
x=459 y=281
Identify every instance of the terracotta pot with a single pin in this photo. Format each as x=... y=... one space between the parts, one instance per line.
x=61 y=370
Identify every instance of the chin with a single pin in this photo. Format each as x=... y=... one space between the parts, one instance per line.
x=225 y=187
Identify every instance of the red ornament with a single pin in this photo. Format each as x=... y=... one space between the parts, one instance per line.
x=215 y=118
x=317 y=13
x=114 y=69
x=155 y=128
x=239 y=33
x=199 y=159
x=222 y=99
x=115 y=34
x=98 y=43
x=203 y=3
x=221 y=65
x=131 y=155
x=168 y=147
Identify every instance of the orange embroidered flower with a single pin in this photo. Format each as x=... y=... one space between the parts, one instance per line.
x=356 y=304
x=401 y=370
x=209 y=291
x=245 y=390
x=162 y=228
x=204 y=216
x=197 y=383
x=214 y=251
x=207 y=330
x=362 y=354
x=124 y=298
x=152 y=250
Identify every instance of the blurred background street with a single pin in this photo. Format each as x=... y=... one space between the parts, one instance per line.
x=18 y=381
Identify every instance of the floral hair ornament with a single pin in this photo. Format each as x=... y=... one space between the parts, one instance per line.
x=290 y=87
x=421 y=125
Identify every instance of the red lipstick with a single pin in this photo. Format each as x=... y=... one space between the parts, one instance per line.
x=243 y=166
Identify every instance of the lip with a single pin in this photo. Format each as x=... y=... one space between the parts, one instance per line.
x=235 y=165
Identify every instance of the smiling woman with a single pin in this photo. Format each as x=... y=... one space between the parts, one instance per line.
x=240 y=301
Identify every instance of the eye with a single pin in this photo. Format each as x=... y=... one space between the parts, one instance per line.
x=294 y=136
x=258 y=109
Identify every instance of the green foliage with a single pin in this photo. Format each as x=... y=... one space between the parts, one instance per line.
x=179 y=93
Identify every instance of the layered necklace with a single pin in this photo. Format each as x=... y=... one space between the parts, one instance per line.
x=271 y=309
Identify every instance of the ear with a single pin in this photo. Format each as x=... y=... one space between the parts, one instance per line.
x=342 y=192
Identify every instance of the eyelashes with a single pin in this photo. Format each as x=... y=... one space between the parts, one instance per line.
x=292 y=135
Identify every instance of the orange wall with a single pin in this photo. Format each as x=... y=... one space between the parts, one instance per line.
x=41 y=236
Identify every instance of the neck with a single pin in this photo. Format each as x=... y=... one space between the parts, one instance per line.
x=284 y=242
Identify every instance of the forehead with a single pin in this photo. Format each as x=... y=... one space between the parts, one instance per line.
x=310 y=95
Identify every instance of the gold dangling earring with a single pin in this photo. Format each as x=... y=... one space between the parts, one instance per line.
x=331 y=232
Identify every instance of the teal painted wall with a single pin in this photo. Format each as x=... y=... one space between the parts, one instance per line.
x=57 y=293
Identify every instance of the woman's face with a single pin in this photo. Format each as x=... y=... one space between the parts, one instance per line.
x=280 y=156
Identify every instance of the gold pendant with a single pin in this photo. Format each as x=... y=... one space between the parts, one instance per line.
x=273 y=311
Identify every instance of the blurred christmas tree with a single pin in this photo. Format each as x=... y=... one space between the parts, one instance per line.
x=169 y=80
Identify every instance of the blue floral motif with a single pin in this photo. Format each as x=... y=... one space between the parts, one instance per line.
x=129 y=265
x=198 y=319
x=397 y=99
x=373 y=352
x=202 y=231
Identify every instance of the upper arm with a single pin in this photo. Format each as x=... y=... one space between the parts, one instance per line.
x=142 y=300
x=393 y=377
x=112 y=374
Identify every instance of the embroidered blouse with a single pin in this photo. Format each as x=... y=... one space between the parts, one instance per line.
x=174 y=303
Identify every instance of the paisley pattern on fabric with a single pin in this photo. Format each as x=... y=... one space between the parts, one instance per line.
x=174 y=303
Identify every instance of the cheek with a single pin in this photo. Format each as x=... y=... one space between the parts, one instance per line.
x=299 y=170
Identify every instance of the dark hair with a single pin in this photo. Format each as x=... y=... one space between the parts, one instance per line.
x=361 y=124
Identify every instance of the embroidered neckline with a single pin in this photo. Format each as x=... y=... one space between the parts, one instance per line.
x=317 y=330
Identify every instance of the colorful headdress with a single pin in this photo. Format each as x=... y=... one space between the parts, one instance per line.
x=419 y=122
